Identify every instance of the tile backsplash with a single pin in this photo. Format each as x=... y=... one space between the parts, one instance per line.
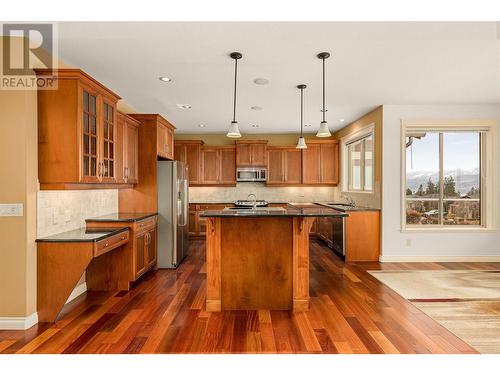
x=271 y=194
x=61 y=211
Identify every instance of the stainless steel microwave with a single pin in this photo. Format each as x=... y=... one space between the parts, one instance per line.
x=251 y=174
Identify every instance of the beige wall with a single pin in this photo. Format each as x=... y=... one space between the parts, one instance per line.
x=375 y=118
x=18 y=184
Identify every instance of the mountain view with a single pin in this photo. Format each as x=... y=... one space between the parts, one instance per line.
x=464 y=179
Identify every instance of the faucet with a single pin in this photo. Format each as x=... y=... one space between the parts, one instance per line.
x=254 y=200
x=350 y=200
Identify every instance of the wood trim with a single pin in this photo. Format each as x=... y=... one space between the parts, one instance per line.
x=249 y=141
x=213 y=246
x=71 y=73
x=301 y=228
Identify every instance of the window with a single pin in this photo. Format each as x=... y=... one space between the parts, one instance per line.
x=444 y=177
x=360 y=164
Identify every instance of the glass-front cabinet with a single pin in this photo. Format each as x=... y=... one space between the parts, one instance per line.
x=90 y=154
x=98 y=152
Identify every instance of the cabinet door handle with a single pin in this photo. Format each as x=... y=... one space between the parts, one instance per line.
x=126 y=172
x=106 y=244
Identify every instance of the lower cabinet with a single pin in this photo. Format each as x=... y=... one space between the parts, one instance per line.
x=145 y=252
x=142 y=249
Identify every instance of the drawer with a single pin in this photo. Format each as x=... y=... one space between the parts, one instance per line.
x=110 y=243
x=145 y=224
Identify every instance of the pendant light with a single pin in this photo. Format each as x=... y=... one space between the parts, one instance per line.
x=302 y=142
x=234 y=131
x=323 y=127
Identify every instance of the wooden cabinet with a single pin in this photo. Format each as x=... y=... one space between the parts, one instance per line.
x=189 y=152
x=284 y=166
x=160 y=132
x=77 y=133
x=362 y=236
x=218 y=165
x=320 y=163
x=127 y=145
x=141 y=252
x=165 y=139
x=251 y=153
x=145 y=252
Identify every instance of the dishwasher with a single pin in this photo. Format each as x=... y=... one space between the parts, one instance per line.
x=338 y=235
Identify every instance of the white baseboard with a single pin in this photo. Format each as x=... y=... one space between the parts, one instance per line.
x=20 y=323
x=80 y=289
x=414 y=259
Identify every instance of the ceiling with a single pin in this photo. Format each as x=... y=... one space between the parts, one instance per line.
x=372 y=64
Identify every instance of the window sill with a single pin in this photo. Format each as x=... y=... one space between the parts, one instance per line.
x=449 y=230
x=357 y=192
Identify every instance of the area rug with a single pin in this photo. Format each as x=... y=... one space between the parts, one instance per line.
x=466 y=302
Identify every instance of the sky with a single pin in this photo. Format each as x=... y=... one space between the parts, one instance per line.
x=460 y=150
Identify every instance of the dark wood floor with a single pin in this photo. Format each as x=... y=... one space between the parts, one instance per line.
x=351 y=312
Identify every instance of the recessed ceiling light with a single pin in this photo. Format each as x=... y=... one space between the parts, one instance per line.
x=255 y=126
x=165 y=79
x=341 y=119
x=256 y=108
x=261 y=81
x=201 y=126
x=184 y=106
x=307 y=126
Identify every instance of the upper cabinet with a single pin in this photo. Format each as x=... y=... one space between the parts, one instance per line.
x=160 y=131
x=128 y=147
x=165 y=139
x=189 y=152
x=284 y=166
x=218 y=165
x=251 y=153
x=320 y=162
x=77 y=133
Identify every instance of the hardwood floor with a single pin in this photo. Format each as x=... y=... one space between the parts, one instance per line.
x=351 y=312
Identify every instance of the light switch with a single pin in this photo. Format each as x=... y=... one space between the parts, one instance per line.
x=13 y=209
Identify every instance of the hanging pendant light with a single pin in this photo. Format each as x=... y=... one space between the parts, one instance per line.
x=302 y=142
x=234 y=131
x=323 y=127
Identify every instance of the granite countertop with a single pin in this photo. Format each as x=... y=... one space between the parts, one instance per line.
x=317 y=211
x=123 y=217
x=344 y=208
x=231 y=203
x=83 y=235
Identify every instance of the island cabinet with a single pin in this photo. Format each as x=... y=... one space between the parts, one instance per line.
x=218 y=165
x=77 y=133
x=127 y=145
x=251 y=153
x=189 y=152
x=320 y=162
x=284 y=166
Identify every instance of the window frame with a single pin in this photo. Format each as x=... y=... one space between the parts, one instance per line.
x=346 y=165
x=488 y=174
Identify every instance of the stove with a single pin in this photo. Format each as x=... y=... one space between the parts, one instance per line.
x=250 y=203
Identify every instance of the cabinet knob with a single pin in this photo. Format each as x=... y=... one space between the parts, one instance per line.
x=106 y=244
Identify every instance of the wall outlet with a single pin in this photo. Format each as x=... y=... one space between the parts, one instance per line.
x=13 y=209
x=408 y=242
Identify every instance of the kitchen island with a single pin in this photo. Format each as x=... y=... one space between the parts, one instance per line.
x=259 y=258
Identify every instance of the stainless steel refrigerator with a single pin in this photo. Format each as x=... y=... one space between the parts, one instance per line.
x=173 y=213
